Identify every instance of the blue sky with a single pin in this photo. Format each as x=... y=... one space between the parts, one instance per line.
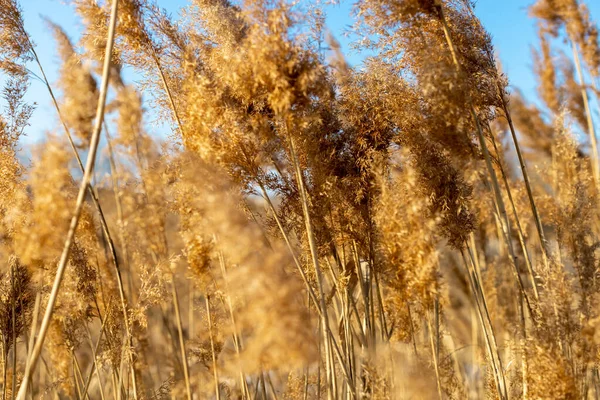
x=513 y=36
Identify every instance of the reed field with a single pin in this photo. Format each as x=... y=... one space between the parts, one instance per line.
x=251 y=216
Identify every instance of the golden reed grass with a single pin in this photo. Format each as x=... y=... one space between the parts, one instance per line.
x=306 y=229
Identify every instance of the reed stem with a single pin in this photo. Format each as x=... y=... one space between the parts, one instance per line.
x=95 y=139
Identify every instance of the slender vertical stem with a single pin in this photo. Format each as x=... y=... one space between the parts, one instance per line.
x=523 y=341
x=4 y=368
x=116 y=191
x=273 y=393
x=94 y=356
x=263 y=386
x=536 y=215
x=121 y=374
x=435 y=355
x=167 y=89
x=381 y=307
x=37 y=348
x=184 y=362
x=212 y=347
x=309 y=288
x=315 y=259
x=320 y=352
x=588 y=114
x=237 y=341
x=13 y=299
x=306 y=368
x=522 y=164
x=79 y=377
x=483 y=302
x=520 y=233
x=363 y=292
x=95 y=201
x=75 y=380
x=114 y=384
x=488 y=336
x=34 y=323
x=191 y=292
x=505 y=222
x=413 y=331
x=92 y=192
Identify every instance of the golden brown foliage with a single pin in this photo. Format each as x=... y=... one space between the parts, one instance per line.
x=306 y=229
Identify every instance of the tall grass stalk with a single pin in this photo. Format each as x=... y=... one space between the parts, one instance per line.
x=504 y=220
x=184 y=362
x=588 y=114
x=37 y=348
x=315 y=259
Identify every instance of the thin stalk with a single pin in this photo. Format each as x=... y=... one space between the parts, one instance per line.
x=212 y=347
x=363 y=292
x=255 y=396
x=588 y=114
x=412 y=331
x=522 y=164
x=272 y=387
x=475 y=351
x=381 y=305
x=503 y=217
x=528 y=263
x=91 y=190
x=13 y=331
x=94 y=356
x=371 y=274
x=536 y=215
x=75 y=380
x=315 y=259
x=334 y=380
x=596 y=92
x=435 y=356
x=4 y=368
x=116 y=190
x=34 y=323
x=305 y=397
x=79 y=376
x=184 y=363
x=436 y=324
x=123 y=303
x=114 y=384
x=492 y=173
x=352 y=362
x=483 y=300
x=349 y=341
x=167 y=89
x=309 y=288
x=37 y=348
x=335 y=292
x=288 y=243
x=237 y=341
x=263 y=386
x=494 y=356
x=523 y=347
x=121 y=373
x=320 y=352
x=191 y=292
x=95 y=201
